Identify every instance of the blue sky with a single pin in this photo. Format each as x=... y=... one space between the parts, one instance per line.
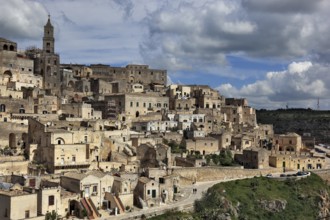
x=272 y=52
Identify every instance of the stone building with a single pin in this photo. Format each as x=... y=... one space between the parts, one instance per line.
x=148 y=191
x=103 y=87
x=154 y=126
x=191 y=97
x=287 y=142
x=56 y=148
x=203 y=145
x=46 y=104
x=47 y=62
x=224 y=139
x=80 y=110
x=133 y=105
x=18 y=204
x=158 y=155
x=92 y=185
x=293 y=161
x=131 y=74
x=254 y=158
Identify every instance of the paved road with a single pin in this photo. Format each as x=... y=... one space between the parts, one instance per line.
x=187 y=201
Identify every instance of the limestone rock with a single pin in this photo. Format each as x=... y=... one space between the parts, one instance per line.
x=324 y=205
x=276 y=205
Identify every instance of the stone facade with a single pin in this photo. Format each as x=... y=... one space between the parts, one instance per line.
x=134 y=105
x=287 y=142
x=292 y=161
x=17 y=204
x=204 y=145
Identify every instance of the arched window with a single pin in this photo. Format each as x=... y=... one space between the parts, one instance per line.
x=5 y=47
x=11 y=48
x=2 y=108
x=59 y=141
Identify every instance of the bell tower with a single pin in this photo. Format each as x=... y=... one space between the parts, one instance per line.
x=48 y=39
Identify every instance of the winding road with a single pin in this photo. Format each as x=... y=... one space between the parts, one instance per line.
x=187 y=201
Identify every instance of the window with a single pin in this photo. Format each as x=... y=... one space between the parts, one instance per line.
x=137 y=104
x=131 y=104
x=51 y=200
x=85 y=139
x=144 y=104
x=27 y=213
x=73 y=158
x=148 y=192
x=94 y=189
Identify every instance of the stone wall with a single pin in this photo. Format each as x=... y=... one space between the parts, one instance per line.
x=14 y=167
x=7 y=128
x=203 y=174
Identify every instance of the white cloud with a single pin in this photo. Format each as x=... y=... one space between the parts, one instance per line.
x=300 y=85
x=299 y=67
x=191 y=39
x=277 y=29
x=20 y=19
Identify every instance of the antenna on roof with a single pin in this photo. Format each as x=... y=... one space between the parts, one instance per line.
x=318 y=103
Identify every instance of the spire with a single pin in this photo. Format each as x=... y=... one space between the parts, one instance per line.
x=49 y=24
x=48 y=39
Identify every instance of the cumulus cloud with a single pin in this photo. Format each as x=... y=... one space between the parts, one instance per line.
x=191 y=34
x=21 y=19
x=299 y=85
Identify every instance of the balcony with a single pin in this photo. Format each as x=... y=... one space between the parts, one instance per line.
x=71 y=165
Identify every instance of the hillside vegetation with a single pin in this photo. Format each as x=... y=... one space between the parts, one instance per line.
x=317 y=123
x=262 y=198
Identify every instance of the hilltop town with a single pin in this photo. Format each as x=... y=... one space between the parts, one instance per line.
x=97 y=141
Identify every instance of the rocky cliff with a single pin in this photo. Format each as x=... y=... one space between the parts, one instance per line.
x=301 y=121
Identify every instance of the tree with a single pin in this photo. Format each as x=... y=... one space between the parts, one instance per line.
x=52 y=215
x=226 y=158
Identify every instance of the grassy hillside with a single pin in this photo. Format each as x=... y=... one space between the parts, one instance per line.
x=260 y=198
x=298 y=120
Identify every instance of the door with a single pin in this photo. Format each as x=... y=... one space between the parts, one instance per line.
x=153 y=193
x=86 y=191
